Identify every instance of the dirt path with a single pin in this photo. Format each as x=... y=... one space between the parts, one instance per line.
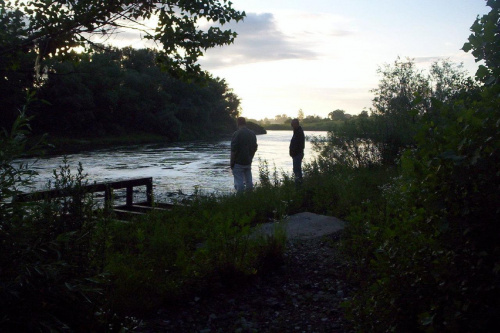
x=302 y=294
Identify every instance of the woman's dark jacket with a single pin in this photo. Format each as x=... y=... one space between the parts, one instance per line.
x=298 y=142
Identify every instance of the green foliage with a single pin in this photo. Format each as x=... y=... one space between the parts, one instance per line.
x=310 y=123
x=12 y=145
x=58 y=26
x=124 y=92
x=51 y=252
x=427 y=260
x=484 y=43
x=114 y=92
x=265 y=177
x=448 y=80
x=17 y=68
x=349 y=144
x=334 y=189
x=257 y=129
x=404 y=96
x=393 y=258
x=337 y=115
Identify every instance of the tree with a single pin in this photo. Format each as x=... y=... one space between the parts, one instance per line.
x=123 y=91
x=16 y=70
x=282 y=119
x=337 y=115
x=363 y=114
x=33 y=33
x=300 y=115
x=447 y=80
x=399 y=87
x=403 y=94
x=56 y=27
x=312 y=118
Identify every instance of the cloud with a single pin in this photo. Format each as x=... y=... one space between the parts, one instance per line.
x=259 y=40
x=427 y=60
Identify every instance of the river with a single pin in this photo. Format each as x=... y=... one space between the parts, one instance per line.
x=175 y=167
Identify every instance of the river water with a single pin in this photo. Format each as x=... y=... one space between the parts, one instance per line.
x=175 y=167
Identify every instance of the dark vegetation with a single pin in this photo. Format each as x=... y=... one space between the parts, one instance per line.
x=122 y=93
x=417 y=181
x=424 y=254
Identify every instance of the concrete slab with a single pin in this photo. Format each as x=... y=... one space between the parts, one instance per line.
x=304 y=226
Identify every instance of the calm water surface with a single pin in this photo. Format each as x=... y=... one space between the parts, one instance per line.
x=174 y=167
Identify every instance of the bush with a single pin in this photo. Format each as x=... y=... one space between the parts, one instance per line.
x=55 y=280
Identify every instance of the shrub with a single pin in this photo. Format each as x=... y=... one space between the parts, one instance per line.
x=54 y=282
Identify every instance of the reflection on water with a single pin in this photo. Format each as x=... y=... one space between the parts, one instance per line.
x=180 y=166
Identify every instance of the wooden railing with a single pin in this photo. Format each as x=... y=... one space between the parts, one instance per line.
x=107 y=188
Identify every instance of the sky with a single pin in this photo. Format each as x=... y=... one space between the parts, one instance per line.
x=323 y=55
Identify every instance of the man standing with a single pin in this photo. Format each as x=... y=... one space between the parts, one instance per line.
x=243 y=148
x=297 y=145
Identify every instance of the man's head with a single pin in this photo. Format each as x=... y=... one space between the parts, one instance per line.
x=295 y=123
x=241 y=121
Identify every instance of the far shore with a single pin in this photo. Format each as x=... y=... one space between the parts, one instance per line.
x=60 y=145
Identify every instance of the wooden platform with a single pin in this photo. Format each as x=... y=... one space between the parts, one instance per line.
x=127 y=211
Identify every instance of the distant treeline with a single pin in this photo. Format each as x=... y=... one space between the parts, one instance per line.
x=309 y=123
x=120 y=92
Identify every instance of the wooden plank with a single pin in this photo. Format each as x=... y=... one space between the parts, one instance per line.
x=135 y=208
x=143 y=208
x=126 y=214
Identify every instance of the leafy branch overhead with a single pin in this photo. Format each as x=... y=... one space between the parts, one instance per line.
x=484 y=44
x=55 y=27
